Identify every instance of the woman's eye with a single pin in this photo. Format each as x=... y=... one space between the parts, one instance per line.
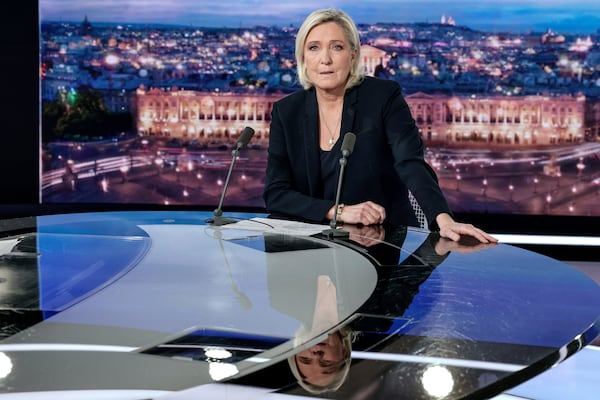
x=313 y=48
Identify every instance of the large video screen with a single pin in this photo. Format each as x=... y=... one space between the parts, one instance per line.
x=143 y=101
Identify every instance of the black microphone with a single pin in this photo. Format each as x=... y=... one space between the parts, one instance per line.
x=348 y=144
x=347 y=148
x=245 y=138
x=241 y=143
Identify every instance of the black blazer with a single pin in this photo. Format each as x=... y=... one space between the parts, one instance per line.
x=388 y=156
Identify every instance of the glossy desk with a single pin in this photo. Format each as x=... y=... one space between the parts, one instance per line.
x=148 y=305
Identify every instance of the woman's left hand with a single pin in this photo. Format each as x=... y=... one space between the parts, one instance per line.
x=453 y=230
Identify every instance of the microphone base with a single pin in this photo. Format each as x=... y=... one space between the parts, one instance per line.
x=336 y=233
x=219 y=221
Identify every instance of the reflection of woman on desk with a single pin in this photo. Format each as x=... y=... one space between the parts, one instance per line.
x=382 y=317
x=398 y=281
x=325 y=365
x=316 y=284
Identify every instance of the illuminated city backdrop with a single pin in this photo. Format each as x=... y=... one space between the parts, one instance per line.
x=142 y=100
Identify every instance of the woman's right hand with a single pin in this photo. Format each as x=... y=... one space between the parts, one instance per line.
x=367 y=213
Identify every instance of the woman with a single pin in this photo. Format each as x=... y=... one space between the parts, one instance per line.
x=387 y=161
x=324 y=365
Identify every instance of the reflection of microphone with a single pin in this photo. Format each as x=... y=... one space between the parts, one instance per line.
x=347 y=147
x=242 y=142
x=241 y=297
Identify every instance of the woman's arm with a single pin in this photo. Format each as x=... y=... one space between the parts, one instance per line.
x=408 y=149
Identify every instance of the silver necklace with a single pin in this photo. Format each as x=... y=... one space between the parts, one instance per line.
x=332 y=138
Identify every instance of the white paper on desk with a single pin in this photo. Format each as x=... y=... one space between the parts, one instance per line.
x=278 y=226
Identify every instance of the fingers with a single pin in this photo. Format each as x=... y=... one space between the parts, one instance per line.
x=450 y=233
x=480 y=235
x=455 y=230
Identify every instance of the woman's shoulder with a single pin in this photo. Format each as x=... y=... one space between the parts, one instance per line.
x=293 y=99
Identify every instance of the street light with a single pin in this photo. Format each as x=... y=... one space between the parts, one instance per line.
x=244 y=178
x=580 y=167
x=159 y=162
x=104 y=184
x=124 y=169
x=112 y=60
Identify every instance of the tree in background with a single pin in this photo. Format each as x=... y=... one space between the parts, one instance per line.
x=81 y=114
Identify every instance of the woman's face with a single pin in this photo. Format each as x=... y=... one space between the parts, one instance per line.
x=328 y=56
x=320 y=363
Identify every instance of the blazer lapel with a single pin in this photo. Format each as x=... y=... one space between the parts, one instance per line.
x=349 y=112
x=311 y=134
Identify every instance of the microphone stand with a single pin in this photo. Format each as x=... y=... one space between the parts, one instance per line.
x=347 y=147
x=334 y=232
x=218 y=218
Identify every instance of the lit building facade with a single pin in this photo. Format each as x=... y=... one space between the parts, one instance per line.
x=524 y=120
x=217 y=118
x=207 y=117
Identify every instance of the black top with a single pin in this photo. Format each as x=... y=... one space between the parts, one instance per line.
x=330 y=170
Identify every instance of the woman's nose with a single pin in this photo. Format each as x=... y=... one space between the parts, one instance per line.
x=326 y=57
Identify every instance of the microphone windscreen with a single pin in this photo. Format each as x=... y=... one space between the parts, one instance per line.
x=348 y=143
x=245 y=137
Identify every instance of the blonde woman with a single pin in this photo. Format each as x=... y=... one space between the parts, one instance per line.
x=388 y=158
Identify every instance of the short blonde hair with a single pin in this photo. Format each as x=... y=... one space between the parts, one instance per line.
x=348 y=336
x=319 y=17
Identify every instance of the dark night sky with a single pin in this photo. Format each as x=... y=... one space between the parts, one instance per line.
x=575 y=16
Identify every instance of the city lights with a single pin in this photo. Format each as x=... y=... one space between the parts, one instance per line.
x=510 y=121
